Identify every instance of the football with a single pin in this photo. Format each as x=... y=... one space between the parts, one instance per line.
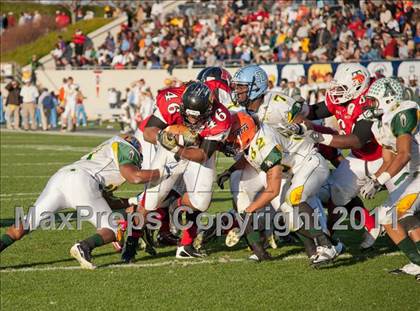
x=183 y=135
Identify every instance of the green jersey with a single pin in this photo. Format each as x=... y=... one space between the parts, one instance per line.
x=402 y=120
x=104 y=161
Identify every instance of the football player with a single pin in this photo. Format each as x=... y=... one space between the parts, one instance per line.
x=345 y=99
x=207 y=123
x=396 y=128
x=84 y=183
x=249 y=86
x=266 y=154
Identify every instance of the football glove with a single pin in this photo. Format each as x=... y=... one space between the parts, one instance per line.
x=222 y=178
x=370 y=189
x=293 y=129
x=167 y=141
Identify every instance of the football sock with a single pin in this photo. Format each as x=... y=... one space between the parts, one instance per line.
x=309 y=244
x=418 y=245
x=5 y=241
x=164 y=218
x=253 y=237
x=94 y=241
x=188 y=235
x=410 y=250
x=368 y=219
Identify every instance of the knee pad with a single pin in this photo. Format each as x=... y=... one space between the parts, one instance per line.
x=410 y=223
x=406 y=203
x=295 y=196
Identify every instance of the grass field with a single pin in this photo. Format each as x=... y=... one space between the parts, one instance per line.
x=37 y=273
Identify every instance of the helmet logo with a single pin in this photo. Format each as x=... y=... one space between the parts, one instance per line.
x=358 y=77
x=241 y=130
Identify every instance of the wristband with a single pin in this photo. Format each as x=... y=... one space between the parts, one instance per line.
x=383 y=178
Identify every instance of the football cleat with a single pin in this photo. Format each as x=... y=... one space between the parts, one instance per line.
x=188 y=251
x=205 y=236
x=129 y=250
x=418 y=277
x=233 y=237
x=325 y=254
x=259 y=253
x=369 y=238
x=81 y=253
x=410 y=268
x=271 y=239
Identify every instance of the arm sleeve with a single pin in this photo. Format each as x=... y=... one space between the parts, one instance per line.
x=318 y=111
x=209 y=146
x=404 y=122
x=362 y=129
x=273 y=159
x=156 y=122
x=126 y=154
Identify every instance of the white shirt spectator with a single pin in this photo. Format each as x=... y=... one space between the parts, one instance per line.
x=118 y=59
x=112 y=96
x=146 y=107
x=157 y=9
x=29 y=93
x=385 y=17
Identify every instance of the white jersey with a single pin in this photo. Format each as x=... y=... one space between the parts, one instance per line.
x=269 y=147
x=273 y=112
x=104 y=161
x=403 y=120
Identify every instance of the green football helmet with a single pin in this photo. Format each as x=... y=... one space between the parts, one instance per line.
x=385 y=94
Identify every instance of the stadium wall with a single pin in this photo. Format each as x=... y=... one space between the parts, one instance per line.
x=95 y=83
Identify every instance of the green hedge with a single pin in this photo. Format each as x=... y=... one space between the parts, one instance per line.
x=45 y=44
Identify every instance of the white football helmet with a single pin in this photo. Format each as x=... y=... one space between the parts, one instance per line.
x=350 y=80
x=385 y=94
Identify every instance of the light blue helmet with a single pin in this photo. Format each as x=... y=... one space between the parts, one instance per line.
x=255 y=78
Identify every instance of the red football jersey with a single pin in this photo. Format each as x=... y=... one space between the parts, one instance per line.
x=347 y=116
x=168 y=102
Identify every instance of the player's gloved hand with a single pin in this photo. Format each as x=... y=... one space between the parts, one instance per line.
x=293 y=129
x=371 y=114
x=167 y=141
x=319 y=138
x=370 y=189
x=222 y=178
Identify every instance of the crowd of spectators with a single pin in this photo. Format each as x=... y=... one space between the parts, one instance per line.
x=242 y=32
x=29 y=106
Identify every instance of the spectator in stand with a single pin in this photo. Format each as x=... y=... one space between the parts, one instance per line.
x=29 y=94
x=13 y=103
x=292 y=90
x=61 y=19
x=304 y=88
x=412 y=85
x=283 y=86
x=11 y=20
x=79 y=40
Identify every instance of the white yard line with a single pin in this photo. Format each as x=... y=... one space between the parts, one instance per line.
x=34 y=164
x=98 y=133
x=6 y=195
x=175 y=263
